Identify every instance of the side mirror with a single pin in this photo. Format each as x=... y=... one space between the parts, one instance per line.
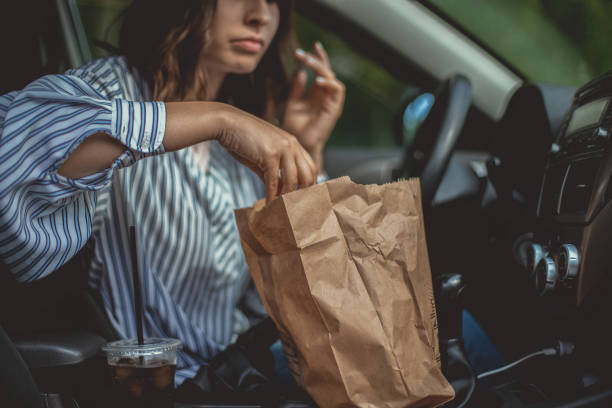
x=411 y=116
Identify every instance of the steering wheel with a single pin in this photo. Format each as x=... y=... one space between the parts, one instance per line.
x=428 y=156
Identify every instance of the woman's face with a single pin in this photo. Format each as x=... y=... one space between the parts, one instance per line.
x=240 y=34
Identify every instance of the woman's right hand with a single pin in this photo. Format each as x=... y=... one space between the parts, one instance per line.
x=259 y=145
x=267 y=149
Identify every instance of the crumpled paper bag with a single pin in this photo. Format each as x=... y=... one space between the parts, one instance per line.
x=343 y=271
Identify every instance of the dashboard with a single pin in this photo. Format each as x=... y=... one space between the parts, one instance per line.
x=571 y=252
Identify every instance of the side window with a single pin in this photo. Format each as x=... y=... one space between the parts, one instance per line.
x=101 y=19
x=373 y=95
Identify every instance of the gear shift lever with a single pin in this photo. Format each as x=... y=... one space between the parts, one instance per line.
x=455 y=364
x=450 y=298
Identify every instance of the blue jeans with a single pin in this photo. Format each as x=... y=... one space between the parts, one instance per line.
x=483 y=355
x=280 y=363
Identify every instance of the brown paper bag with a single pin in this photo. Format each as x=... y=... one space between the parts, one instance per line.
x=343 y=271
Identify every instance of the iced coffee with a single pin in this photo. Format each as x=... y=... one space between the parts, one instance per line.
x=142 y=374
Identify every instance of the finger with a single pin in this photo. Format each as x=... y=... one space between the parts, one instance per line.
x=271 y=181
x=314 y=63
x=307 y=172
x=333 y=85
x=314 y=169
x=299 y=83
x=288 y=173
x=322 y=54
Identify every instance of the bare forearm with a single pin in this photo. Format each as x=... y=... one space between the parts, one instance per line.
x=189 y=123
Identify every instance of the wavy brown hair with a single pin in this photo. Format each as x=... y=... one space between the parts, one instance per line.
x=163 y=40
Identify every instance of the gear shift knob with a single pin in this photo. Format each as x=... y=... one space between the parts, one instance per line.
x=450 y=306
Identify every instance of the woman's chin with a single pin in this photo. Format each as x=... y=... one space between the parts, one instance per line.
x=243 y=69
x=245 y=64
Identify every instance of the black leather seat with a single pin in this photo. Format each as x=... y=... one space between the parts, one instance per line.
x=58 y=349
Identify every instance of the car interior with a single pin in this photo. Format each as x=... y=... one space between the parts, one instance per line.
x=516 y=178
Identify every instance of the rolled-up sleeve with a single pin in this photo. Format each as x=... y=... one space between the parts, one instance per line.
x=139 y=125
x=46 y=121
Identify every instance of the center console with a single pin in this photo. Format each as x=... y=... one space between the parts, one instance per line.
x=572 y=249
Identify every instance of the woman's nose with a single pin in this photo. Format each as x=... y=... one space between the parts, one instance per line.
x=258 y=13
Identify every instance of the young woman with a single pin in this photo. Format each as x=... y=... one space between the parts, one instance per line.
x=196 y=284
x=63 y=136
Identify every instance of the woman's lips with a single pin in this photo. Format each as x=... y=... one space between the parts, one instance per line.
x=249 y=45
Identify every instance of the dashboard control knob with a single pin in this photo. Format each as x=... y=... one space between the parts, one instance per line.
x=535 y=253
x=569 y=262
x=546 y=276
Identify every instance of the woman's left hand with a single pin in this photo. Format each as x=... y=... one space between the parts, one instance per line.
x=312 y=115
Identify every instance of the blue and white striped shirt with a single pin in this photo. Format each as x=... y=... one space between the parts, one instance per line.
x=46 y=218
x=194 y=276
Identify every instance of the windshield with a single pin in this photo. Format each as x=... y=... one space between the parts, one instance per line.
x=560 y=42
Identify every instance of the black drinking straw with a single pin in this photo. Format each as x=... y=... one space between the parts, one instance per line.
x=137 y=293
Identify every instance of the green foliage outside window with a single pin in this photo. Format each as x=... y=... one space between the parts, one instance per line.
x=101 y=21
x=555 y=41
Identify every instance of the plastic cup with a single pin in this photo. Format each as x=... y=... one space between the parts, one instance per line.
x=142 y=375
